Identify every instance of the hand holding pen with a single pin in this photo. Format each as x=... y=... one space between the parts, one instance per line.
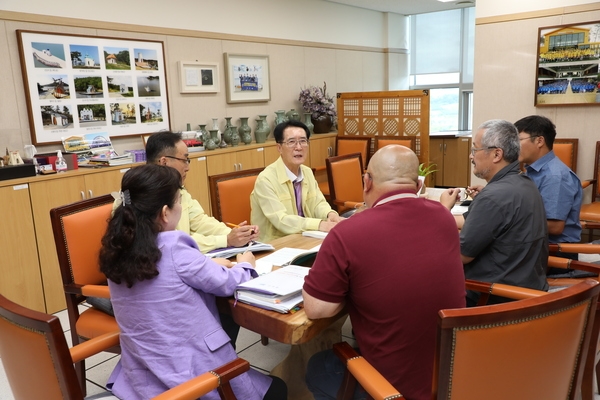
x=241 y=234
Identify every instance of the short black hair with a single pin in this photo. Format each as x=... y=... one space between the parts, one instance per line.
x=161 y=144
x=278 y=132
x=538 y=125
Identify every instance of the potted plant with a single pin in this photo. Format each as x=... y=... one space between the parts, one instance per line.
x=320 y=105
x=423 y=173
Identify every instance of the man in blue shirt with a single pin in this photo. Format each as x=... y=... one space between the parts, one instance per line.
x=559 y=186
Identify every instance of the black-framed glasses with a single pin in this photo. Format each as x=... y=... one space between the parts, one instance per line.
x=293 y=143
x=185 y=160
x=529 y=137
x=475 y=150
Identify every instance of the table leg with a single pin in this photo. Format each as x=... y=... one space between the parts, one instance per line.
x=293 y=367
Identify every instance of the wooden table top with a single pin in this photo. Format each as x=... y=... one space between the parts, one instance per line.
x=288 y=328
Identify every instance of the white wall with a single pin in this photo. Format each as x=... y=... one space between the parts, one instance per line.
x=310 y=20
x=492 y=8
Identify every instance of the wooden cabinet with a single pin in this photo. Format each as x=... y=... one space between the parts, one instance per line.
x=451 y=155
x=320 y=148
x=235 y=161
x=51 y=193
x=20 y=279
x=196 y=182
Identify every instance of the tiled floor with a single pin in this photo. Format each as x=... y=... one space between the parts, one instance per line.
x=99 y=367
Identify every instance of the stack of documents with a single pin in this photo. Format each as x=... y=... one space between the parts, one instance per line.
x=315 y=234
x=227 y=252
x=280 y=290
x=280 y=258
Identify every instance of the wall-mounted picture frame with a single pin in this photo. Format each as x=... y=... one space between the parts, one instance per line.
x=567 y=65
x=247 y=78
x=76 y=85
x=198 y=77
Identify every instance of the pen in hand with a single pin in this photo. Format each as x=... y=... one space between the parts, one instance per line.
x=232 y=226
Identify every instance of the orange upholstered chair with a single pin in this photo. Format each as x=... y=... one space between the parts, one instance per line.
x=566 y=150
x=39 y=363
x=490 y=352
x=230 y=195
x=78 y=229
x=346 y=145
x=345 y=181
x=408 y=141
x=590 y=213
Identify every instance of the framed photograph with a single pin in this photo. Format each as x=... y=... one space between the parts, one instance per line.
x=198 y=77
x=247 y=78
x=567 y=65
x=79 y=85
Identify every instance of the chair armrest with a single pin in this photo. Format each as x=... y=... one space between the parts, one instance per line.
x=202 y=384
x=587 y=183
x=368 y=377
x=590 y=224
x=499 y=289
x=567 y=263
x=587 y=248
x=348 y=204
x=94 y=346
x=96 y=291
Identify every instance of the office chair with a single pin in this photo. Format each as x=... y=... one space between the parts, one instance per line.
x=490 y=352
x=408 y=141
x=344 y=174
x=590 y=213
x=566 y=150
x=230 y=195
x=39 y=363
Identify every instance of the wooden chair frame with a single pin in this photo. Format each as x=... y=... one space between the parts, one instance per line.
x=42 y=354
x=381 y=141
x=582 y=297
x=78 y=282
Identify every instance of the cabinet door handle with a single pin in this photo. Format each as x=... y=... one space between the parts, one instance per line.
x=440 y=147
x=241 y=167
x=90 y=194
x=444 y=148
x=82 y=195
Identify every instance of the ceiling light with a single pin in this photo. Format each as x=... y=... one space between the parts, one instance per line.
x=445 y=1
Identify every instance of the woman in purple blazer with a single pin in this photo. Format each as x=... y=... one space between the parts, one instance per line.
x=163 y=294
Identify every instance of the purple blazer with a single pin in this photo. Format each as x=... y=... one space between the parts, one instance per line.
x=170 y=327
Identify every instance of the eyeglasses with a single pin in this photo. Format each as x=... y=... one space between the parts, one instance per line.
x=293 y=143
x=529 y=137
x=185 y=160
x=367 y=174
x=475 y=150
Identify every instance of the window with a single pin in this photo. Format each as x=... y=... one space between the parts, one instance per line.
x=442 y=46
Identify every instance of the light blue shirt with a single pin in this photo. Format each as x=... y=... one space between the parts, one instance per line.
x=562 y=194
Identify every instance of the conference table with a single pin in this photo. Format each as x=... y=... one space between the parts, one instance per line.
x=306 y=336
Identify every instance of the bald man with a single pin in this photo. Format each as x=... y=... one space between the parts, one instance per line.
x=379 y=264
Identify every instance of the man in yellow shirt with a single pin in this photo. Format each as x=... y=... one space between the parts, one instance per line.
x=167 y=148
x=286 y=198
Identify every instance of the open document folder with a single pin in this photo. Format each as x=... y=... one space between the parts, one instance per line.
x=282 y=257
x=227 y=252
x=280 y=290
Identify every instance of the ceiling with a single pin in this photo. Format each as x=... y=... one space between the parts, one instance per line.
x=407 y=7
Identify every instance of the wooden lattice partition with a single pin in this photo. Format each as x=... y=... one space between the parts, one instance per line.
x=384 y=114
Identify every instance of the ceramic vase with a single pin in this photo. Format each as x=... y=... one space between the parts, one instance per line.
x=213 y=140
x=292 y=115
x=280 y=117
x=203 y=133
x=266 y=124
x=227 y=131
x=235 y=138
x=308 y=122
x=322 y=125
x=262 y=131
x=244 y=129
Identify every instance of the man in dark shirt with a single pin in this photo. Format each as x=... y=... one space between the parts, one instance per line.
x=504 y=235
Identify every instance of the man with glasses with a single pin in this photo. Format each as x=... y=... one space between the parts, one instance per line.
x=504 y=235
x=168 y=148
x=286 y=198
x=559 y=186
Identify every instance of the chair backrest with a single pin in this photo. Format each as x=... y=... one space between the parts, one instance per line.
x=566 y=150
x=78 y=230
x=345 y=179
x=35 y=355
x=491 y=352
x=596 y=186
x=408 y=141
x=349 y=144
x=230 y=195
